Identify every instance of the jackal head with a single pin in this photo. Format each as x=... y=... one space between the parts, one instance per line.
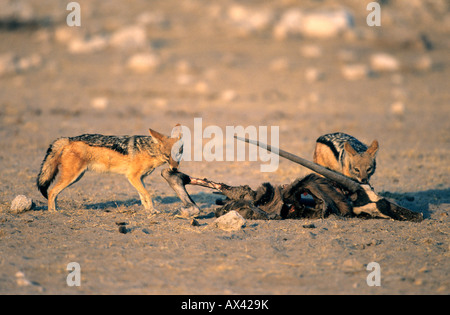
x=170 y=148
x=360 y=166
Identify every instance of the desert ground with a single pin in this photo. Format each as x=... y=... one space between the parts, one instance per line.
x=308 y=67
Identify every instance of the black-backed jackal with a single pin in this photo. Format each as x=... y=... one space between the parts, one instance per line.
x=347 y=155
x=134 y=156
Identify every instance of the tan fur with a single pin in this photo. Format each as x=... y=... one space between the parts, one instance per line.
x=72 y=159
x=360 y=162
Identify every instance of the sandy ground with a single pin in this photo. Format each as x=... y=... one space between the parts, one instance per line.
x=204 y=65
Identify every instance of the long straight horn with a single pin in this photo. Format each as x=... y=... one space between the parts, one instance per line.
x=343 y=180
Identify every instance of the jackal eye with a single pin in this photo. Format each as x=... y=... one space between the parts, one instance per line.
x=356 y=170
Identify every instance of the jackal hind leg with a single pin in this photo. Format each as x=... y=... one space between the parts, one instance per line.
x=137 y=181
x=68 y=176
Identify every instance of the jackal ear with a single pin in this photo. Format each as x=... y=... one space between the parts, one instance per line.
x=349 y=149
x=177 y=132
x=157 y=137
x=373 y=149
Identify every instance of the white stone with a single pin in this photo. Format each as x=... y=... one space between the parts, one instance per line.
x=355 y=71
x=143 y=62
x=7 y=64
x=384 y=62
x=326 y=23
x=232 y=221
x=83 y=46
x=21 y=204
x=129 y=37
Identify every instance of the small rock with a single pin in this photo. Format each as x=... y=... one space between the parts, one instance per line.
x=326 y=23
x=85 y=46
x=143 y=62
x=129 y=37
x=355 y=71
x=384 y=62
x=195 y=223
x=21 y=280
x=423 y=63
x=352 y=265
x=100 y=102
x=309 y=226
x=313 y=75
x=21 y=204
x=7 y=64
x=249 y=19
x=123 y=229
x=228 y=95
x=232 y=221
x=311 y=51
x=29 y=62
x=398 y=108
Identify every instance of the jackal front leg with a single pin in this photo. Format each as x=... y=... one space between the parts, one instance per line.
x=146 y=199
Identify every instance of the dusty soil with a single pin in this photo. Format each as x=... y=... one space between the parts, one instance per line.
x=210 y=68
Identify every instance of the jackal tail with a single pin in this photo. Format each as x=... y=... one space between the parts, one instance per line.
x=49 y=166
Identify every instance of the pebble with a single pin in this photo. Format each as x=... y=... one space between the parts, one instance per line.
x=314 y=74
x=355 y=71
x=143 y=62
x=326 y=23
x=384 y=62
x=79 y=45
x=129 y=37
x=21 y=204
x=232 y=221
x=7 y=64
x=100 y=102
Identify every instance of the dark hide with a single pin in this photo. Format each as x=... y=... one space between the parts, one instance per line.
x=269 y=202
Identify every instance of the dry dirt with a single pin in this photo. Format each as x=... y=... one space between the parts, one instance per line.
x=204 y=65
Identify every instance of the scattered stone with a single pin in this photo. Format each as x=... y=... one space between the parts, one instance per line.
x=309 y=226
x=123 y=229
x=249 y=19
x=325 y=23
x=64 y=34
x=79 y=45
x=7 y=64
x=398 y=108
x=384 y=62
x=232 y=221
x=27 y=63
x=355 y=71
x=311 y=51
x=353 y=265
x=21 y=204
x=423 y=63
x=195 y=223
x=228 y=95
x=100 y=102
x=143 y=62
x=314 y=74
x=129 y=37
x=21 y=280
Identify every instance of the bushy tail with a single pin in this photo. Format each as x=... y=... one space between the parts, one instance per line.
x=49 y=166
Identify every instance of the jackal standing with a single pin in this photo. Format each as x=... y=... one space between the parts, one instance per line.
x=134 y=156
